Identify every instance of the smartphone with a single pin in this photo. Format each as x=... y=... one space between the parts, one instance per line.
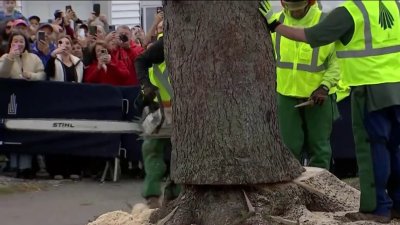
x=93 y=30
x=104 y=51
x=96 y=9
x=81 y=32
x=111 y=28
x=41 y=36
x=68 y=7
x=159 y=9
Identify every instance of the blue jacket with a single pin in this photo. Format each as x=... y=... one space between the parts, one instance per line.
x=15 y=15
x=42 y=56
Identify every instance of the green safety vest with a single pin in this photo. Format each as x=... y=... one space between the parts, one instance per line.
x=299 y=67
x=373 y=54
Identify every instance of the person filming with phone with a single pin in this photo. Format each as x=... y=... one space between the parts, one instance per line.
x=62 y=20
x=63 y=66
x=155 y=29
x=19 y=63
x=105 y=69
x=44 y=45
x=96 y=18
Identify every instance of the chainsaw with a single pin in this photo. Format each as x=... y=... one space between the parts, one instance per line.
x=157 y=124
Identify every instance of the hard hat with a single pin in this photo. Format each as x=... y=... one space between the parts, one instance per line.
x=292 y=5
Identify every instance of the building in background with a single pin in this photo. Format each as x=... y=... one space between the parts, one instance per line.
x=131 y=13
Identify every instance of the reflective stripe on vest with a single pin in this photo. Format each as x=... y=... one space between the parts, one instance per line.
x=164 y=79
x=369 y=50
x=313 y=68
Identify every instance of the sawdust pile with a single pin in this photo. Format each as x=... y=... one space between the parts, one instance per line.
x=139 y=216
x=324 y=189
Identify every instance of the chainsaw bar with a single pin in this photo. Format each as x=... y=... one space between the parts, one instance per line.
x=72 y=125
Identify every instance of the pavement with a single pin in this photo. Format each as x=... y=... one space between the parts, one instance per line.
x=68 y=202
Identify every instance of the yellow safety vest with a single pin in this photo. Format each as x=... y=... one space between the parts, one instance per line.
x=299 y=67
x=158 y=75
x=373 y=54
x=342 y=92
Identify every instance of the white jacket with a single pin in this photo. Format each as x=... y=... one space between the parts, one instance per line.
x=59 y=74
x=30 y=63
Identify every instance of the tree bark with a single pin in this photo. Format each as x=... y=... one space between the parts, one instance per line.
x=220 y=59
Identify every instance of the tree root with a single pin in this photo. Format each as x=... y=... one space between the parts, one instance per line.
x=167 y=218
x=284 y=203
x=315 y=198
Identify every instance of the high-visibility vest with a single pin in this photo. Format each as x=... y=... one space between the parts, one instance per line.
x=373 y=54
x=342 y=91
x=299 y=67
x=158 y=76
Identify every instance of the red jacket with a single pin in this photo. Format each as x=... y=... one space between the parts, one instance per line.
x=117 y=74
x=128 y=57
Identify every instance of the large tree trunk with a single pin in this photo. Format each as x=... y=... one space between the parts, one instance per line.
x=220 y=58
x=226 y=138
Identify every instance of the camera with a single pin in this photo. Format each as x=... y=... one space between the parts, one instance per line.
x=123 y=38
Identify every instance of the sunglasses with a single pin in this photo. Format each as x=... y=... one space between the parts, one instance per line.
x=8 y=27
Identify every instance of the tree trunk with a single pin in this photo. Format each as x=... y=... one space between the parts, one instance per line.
x=220 y=58
x=225 y=136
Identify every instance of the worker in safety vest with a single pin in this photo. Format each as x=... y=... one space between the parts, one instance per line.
x=367 y=38
x=153 y=76
x=305 y=74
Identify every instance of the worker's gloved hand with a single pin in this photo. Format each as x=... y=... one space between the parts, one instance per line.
x=149 y=94
x=268 y=13
x=149 y=91
x=319 y=95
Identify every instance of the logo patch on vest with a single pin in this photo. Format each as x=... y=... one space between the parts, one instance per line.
x=386 y=19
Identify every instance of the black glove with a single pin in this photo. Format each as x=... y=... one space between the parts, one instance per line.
x=149 y=94
x=319 y=95
x=149 y=91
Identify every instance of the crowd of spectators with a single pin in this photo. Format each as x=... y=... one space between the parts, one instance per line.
x=69 y=49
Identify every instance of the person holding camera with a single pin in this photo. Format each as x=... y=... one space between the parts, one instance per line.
x=125 y=50
x=104 y=69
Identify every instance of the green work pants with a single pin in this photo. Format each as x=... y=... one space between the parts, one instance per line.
x=363 y=151
x=307 y=130
x=155 y=168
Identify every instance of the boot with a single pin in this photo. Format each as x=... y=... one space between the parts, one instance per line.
x=153 y=202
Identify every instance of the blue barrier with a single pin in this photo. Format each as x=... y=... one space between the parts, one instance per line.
x=44 y=99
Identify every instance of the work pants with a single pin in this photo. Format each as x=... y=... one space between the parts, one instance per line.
x=307 y=130
x=155 y=169
x=377 y=139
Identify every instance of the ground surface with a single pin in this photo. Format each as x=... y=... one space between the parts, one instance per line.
x=65 y=202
